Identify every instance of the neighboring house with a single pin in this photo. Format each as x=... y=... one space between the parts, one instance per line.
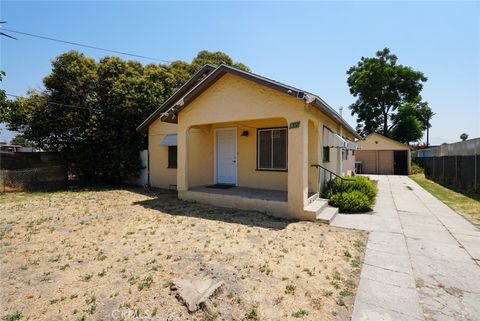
x=9 y=147
x=17 y=148
x=382 y=155
x=226 y=127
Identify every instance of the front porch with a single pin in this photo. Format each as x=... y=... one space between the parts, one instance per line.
x=263 y=200
x=264 y=162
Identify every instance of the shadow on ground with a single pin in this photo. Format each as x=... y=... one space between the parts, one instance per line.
x=166 y=201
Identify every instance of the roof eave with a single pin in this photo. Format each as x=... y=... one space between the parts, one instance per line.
x=323 y=106
x=174 y=98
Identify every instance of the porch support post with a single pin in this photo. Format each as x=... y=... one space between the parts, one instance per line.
x=182 y=163
x=298 y=169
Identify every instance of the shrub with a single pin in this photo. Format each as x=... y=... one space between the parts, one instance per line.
x=417 y=169
x=351 y=202
x=357 y=183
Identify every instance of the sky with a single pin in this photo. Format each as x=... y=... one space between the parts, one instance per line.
x=308 y=45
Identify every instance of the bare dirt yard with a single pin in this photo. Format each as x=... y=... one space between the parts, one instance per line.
x=112 y=254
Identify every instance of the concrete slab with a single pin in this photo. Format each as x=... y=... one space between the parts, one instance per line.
x=393 y=243
x=388 y=261
x=400 y=300
x=428 y=232
x=399 y=279
x=368 y=222
x=438 y=251
x=420 y=252
x=368 y=312
x=471 y=244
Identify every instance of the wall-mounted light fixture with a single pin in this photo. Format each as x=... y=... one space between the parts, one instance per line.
x=244 y=133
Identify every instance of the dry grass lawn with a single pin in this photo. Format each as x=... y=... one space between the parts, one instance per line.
x=112 y=254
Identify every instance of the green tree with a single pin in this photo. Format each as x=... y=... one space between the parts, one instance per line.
x=408 y=127
x=89 y=110
x=216 y=59
x=21 y=140
x=381 y=86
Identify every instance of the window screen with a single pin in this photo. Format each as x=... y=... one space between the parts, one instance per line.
x=272 y=149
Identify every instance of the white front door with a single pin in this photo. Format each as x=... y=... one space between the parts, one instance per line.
x=226 y=156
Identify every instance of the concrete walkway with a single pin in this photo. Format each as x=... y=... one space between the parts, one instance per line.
x=422 y=258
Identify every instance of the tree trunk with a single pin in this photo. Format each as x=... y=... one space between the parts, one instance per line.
x=385 y=124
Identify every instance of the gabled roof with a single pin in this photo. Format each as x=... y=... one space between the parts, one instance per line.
x=202 y=72
x=396 y=142
x=193 y=89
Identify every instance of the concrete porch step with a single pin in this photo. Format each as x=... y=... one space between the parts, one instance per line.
x=327 y=214
x=315 y=207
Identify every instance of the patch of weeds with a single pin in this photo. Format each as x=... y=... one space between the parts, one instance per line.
x=92 y=304
x=290 y=289
x=103 y=273
x=86 y=277
x=355 y=263
x=358 y=244
x=167 y=284
x=340 y=302
x=101 y=256
x=145 y=283
x=265 y=269
x=347 y=254
x=252 y=315
x=13 y=316
x=327 y=293
x=345 y=293
x=300 y=313
x=45 y=277
x=335 y=284
x=64 y=267
x=53 y=301
x=154 y=312
x=82 y=318
x=209 y=316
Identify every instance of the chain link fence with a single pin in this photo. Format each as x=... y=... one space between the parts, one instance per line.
x=40 y=178
x=24 y=172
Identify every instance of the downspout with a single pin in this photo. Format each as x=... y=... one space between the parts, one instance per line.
x=341 y=153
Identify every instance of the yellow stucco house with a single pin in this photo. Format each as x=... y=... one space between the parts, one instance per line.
x=236 y=139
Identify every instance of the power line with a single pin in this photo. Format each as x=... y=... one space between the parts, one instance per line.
x=84 y=45
x=56 y=103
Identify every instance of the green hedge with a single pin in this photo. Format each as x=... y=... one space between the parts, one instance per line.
x=353 y=195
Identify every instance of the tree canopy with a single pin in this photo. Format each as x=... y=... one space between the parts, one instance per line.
x=89 y=110
x=381 y=87
x=409 y=127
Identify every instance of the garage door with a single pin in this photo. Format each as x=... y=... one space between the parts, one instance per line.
x=368 y=159
x=385 y=162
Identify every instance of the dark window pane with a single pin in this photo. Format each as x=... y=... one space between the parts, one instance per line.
x=326 y=154
x=279 y=149
x=264 y=149
x=172 y=156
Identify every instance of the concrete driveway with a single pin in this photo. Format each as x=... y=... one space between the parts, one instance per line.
x=422 y=258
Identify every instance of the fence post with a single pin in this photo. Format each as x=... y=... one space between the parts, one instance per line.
x=475 y=171
x=456 y=170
